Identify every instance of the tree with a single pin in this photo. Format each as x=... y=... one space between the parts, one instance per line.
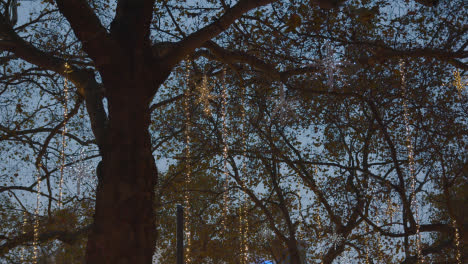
x=125 y=56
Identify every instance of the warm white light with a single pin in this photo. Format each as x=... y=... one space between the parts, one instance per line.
x=409 y=145
x=23 y=231
x=225 y=152
x=457 y=241
x=243 y=217
x=458 y=83
x=36 y=215
x=187 y=164
x=64 y=131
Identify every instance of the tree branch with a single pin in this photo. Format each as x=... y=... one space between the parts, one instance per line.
x=132 y=21
x=198 y=38
x=88 y=29
x=63 y=235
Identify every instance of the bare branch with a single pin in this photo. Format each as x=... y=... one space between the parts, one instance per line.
x=88 y=29
x=66 y=236
x=198 y=38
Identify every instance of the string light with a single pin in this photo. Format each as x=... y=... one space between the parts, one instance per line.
x=457 y=82
x=188 y=165
x=23 y=232
x=64 y=131
x=390 y=212
x=409 y=145
x=36 y=215
x=205 y=96
x=379 y=245
x=244 y=222
x=366 y=243
x=457 y=241
x=299 y=201
x=225 y=151
x=317 y=217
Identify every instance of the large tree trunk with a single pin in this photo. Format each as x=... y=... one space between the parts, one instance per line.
x=124 y=229
x=294 y=254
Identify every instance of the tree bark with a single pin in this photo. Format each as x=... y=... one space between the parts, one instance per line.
x=124 y=227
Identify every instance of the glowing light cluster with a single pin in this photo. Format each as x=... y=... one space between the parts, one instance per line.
x=187 y=164
x=409 y=145
x=205 y=96
x=225 y=151
x=458 y=83
x=299 y=210
x=457 y=241
x=36 y=215
x=243 y=218
x=23 y=232
x=366 y=243
x=64 y=131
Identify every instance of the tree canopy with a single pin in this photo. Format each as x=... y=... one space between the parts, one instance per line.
x=291 y=131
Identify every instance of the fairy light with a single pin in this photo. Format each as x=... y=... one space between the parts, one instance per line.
x=457 y=241
x=244 y=222
x=299 y=199
x=458 y=83
x=317 y=219
x=205 y=96
x=409 y=145
x=317 y=215
x=366 y=243
x=23 y=232
x=187 y=164
x=225 y=151
x=379 y=245
x=390 y=212
x=36 y=215
x=64 y=131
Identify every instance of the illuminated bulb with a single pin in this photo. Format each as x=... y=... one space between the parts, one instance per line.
x=298 y=193
x=379 y=247
x=366 y=243
x=457 y=241
x=225 y=151
x=244 y=225
x=64 y=131
x=188 y=165
x=36 y=215
x=25 y=222
x=457 y=82
x=205 y=96
x=410 y=147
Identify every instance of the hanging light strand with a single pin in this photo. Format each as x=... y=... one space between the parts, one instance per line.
x=299 y=209
x=23 y=232
x=225 y=150
x=64 y=131
x=411 y=165
x=244 y=225
x=366 y=243
x=187 y=163
x=457 y=242
x=317 y=218
x=36 y=215
x=380 y=255
x=458 y=83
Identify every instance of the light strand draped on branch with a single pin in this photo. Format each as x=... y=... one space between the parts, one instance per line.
x=225 y=151
x=64 y=131
x=411 y=162
x=188 y=168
